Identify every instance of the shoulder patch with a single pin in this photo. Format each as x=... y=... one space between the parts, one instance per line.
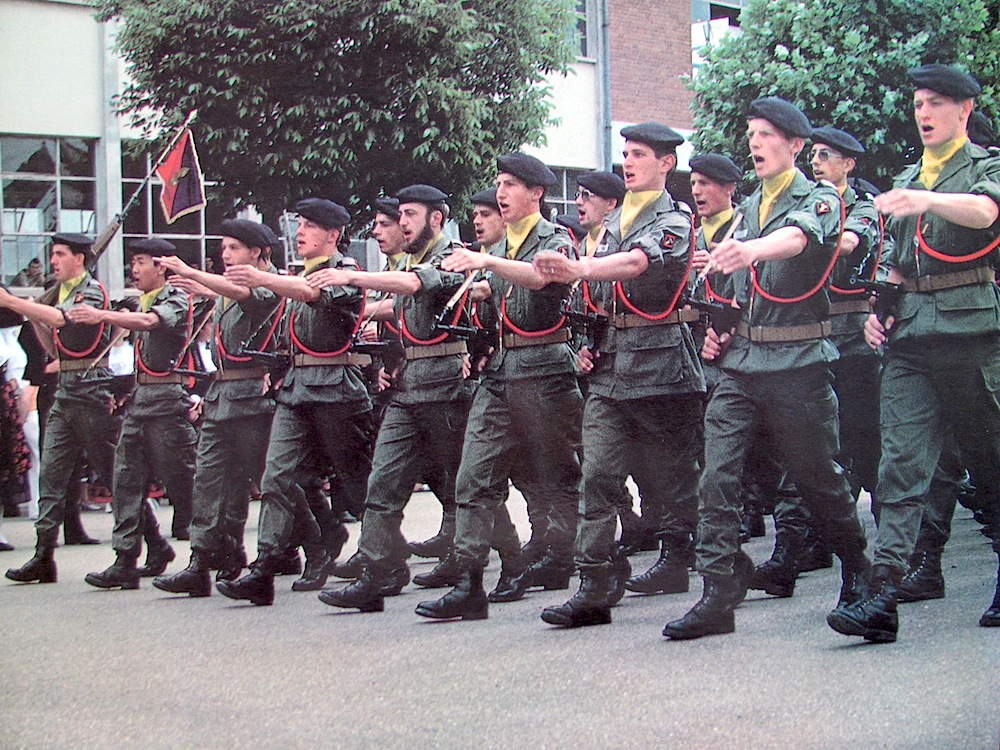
x=822 y=207
x=668 y=241
x=78 y=299
x=564 y=250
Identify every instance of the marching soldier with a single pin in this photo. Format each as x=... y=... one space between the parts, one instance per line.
x=645 y=386
x=775 y=369
x=80 y=421
x=237 y=415
x=157 y=438
x=943 y=358
x=323 y=414
x=424 y=423
x=525 y=414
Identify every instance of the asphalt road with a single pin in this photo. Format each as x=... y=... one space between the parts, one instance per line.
x=85 y=668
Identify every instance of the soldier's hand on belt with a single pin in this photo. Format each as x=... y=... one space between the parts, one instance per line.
x=875 y=332
x=715 y=344
x=556 y=267
x=328 y=277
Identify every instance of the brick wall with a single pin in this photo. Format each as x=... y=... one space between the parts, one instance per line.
x=650 y=52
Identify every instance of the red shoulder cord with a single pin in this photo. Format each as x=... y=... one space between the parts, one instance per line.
x=620 y=289
x=278 y=312
x=878 y=261
x=138 y=345
x=407 y=336
x=297 y=342
x=826 y=274
x=100 y=332
x=938 y=255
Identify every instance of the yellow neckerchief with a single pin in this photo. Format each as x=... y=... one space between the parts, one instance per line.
x=773 y=187
x=147 y=298
x=934 y=158
x=518 y=231
x=594 y=237
x=312 y=264
x=710 y=225
x=396 y=261
x=415 y=259
x=633 y=205
x=67 y=287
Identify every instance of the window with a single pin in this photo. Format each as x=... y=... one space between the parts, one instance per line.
x=561 y=197
x=48 y=186
x=584 y=31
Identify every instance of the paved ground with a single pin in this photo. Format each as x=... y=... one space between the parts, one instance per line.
x=83 y=668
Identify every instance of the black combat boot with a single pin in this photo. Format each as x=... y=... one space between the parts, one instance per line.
x=668 y=575
x=588 y=606
x=714 y=612
x=855 y=579
x=319 y=565
x=335 y=538
x=352 y=568
x=39 y=569
x=815 y=553
x=195 y=580
x=511 y=566
x=551 y=573
x=438 y=545
x=742 y=573
x=874 y=617
x=924 y=579
x=158 y=557
x=73 y=531
x=257 y=586
x=395 y=580
x=364 y=594
x=641 y=538
x=287 y=563
x=777 y=575
x=445 y=574
x=231 y=567
x=123 y=574
x=621 y=571
x=466 y=601
x=991 y=617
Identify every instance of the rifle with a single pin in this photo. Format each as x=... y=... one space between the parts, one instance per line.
x=722 y=318
x=591 y=325
x=373 y=348
x=887 y=295
x=103 y=241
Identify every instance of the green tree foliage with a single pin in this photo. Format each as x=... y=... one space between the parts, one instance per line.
x=844 y=62
x=343 y=98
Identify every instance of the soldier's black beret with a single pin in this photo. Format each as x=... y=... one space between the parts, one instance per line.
x=326 y=213
x=421 y=194
x=653 y=134
x=152 y=246
x=572 y=223
x=981 y=131
x=526 y=168
x=784 y=115
x=273 y=240
x=250 y=233
x=604 y=184
x=841 y=140
x=80 y=244
x=387 y=206
x=486 y=198
x=945 y=79
x=716 y=167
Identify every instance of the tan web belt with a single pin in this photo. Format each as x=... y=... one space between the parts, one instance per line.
x=71 y=365
x=308 y=360
x=517 y=341
x=173 y=378
x=784 y=334
x=436 y=350
x=241 y=373
x=630 y=320
x=949 y=280
x=850 y=306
